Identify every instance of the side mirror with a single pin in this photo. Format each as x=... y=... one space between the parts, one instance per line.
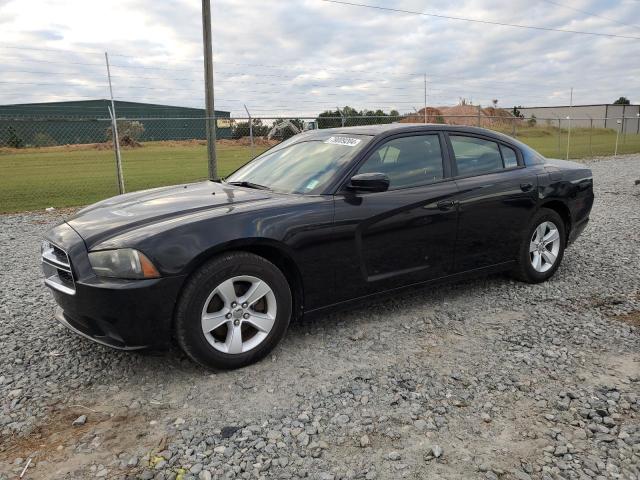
x=369 y=182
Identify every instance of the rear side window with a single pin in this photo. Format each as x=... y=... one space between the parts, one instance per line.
x=509 y=156
x=475 y=156
x=407 y=161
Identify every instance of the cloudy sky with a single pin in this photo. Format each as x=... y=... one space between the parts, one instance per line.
x=285 y=57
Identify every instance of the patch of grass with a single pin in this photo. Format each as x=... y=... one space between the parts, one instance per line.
x=67 y=176
x=62 y=177
x=584 y=143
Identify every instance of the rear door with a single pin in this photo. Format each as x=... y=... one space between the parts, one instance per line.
x=406 y=234
x=497 y=196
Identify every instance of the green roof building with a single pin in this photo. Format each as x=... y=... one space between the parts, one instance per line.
x=88 y=121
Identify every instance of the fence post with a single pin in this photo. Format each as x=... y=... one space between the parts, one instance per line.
x=590 y=136
x=559 y=137
x=250 y=131
x=341 y=116
x=624 y=135
x=569 y=118
x=479 y=110
x=513 y=126
x=615 y=152
x=425 y=98
x=114 y=131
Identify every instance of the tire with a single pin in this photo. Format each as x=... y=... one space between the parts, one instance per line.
x=246 y=332
x=529 y=269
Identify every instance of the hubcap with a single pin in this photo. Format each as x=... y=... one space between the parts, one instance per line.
x=239 y=314
x=544 y=246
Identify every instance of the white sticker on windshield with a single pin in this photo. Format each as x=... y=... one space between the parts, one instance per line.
x=346 y=141
x=312 y=184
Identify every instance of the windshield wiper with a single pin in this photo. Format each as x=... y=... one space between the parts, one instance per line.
x=246 y=184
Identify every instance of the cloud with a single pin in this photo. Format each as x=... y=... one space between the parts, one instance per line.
x=285 y=58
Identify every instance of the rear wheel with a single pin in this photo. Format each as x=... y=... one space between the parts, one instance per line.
x=233 y=311
x=542 y=248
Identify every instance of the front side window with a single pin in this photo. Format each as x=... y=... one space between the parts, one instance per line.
x=407 y=161
x=306 y=167
x=475 y=156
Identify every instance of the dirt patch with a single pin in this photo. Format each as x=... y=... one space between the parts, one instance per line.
x=126 y=143
x=57 y=448
x=179 y=143
x=433 y=115
x=246 y=142
x=631 y=318
x=616 y=370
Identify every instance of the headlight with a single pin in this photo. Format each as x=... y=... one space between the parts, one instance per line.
x=123 y=263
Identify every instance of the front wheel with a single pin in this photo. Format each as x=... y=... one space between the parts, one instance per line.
x=542 y=248
x=233 y=311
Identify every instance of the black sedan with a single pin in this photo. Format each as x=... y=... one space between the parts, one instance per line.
x=322 y=220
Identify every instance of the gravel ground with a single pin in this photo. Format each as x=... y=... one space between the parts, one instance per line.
x=489 y=378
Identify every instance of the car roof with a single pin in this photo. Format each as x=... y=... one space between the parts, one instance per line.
x=392 y=128
x=385 y=130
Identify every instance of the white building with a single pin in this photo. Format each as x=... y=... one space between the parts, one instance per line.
x=596 y=116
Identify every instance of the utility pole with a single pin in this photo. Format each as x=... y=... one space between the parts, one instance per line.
x=208 y=90
x=569 y=118
x=425 y=98
x=114 y=131
x=250 y=130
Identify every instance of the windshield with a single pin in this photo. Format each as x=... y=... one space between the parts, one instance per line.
x=304 y=167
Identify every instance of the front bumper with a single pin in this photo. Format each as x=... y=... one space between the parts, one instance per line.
x=123 y=314
x=102 y=340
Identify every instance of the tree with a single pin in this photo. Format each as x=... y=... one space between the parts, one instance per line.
x=517 y=113
x=622 y=101
x=241 y=129
x=495 y=102
x=129 y=132
x=353 y=117
x=329 y=119
x=14 y=140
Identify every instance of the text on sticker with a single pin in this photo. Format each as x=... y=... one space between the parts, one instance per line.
x=346 y=141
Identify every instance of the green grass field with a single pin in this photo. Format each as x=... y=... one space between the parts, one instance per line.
x=57 y=177
x=584 y=143
x=34 y=179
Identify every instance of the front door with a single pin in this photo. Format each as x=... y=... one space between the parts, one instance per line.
x=401 y=236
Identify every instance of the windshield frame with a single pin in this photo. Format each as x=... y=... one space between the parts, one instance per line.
x=329 y=187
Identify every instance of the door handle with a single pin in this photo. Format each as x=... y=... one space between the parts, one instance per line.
x=525 y=187
x=445 y=205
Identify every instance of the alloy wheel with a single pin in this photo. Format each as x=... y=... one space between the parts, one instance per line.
x=239 y=314
x=544 y=246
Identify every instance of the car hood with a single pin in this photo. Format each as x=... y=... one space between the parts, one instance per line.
x=125 y=212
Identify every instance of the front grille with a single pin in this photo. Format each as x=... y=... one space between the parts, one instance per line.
x=57 y=268
x=60 y=254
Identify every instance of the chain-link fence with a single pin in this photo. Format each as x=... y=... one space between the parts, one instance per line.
x=69 y=161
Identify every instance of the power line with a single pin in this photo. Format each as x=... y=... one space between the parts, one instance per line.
x=370 y=84
x=473 y=20
x=590 y=13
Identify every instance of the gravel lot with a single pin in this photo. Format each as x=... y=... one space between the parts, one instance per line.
x=486 y=379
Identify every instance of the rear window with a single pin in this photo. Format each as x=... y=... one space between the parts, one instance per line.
x=509 y=157
x=476 y=156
